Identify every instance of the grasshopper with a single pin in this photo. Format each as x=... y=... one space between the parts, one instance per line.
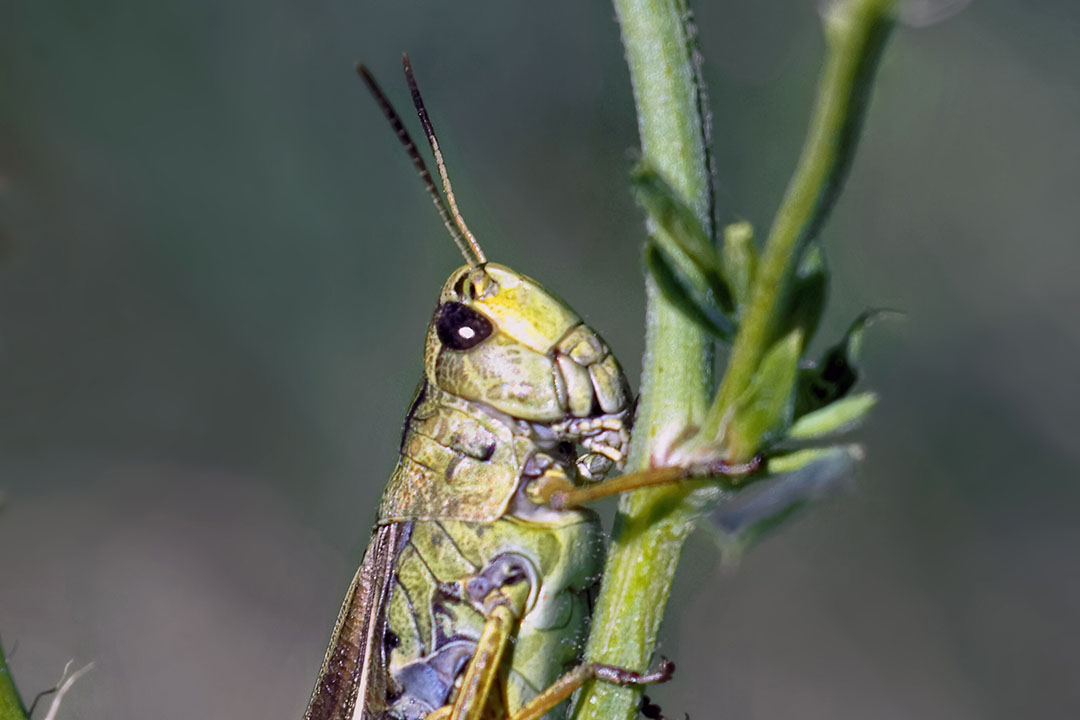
x=473 y=597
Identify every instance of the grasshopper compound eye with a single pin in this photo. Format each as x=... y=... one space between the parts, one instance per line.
x=460 y=327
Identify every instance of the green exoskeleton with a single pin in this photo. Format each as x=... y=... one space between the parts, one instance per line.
x=473 y=597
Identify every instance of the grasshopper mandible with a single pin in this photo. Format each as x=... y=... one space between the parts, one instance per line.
x=472 y=600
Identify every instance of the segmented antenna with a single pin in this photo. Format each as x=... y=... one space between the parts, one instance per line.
x=421 y=112
x=467 y=244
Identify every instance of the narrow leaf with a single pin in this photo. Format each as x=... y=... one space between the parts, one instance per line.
x=764 y=409
x=677 y=230
x=794 y=481
x=740 y=260
x=681 y=292
x=835 y=417
x=833 y=376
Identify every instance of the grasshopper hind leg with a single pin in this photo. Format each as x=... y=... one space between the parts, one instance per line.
x=571 y=681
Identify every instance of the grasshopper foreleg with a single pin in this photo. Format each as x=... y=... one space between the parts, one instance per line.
x=561 y=496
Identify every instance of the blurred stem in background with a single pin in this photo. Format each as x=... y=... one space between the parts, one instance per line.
x=11 y=705
x=676 y=412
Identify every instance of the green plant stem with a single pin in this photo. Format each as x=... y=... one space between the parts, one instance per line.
x=667 y=94
x=856 y=31
x=676 y=378
x=651 y=526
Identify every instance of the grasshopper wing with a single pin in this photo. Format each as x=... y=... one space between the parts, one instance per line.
x=353 y=681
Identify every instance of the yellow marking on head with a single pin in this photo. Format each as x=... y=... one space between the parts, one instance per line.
x=523 y=310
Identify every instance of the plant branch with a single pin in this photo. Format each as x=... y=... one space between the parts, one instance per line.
x=652 y=525
x=856 y=31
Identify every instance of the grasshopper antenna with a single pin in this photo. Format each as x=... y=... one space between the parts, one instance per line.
x=421 y=112
x=467 y=244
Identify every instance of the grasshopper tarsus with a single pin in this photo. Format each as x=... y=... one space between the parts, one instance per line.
x=622 y=676
x=730 y=469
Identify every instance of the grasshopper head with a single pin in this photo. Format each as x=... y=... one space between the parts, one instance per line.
x=501 y=339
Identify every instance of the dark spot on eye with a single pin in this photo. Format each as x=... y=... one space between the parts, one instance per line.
x=390 y=640
x=460 y=327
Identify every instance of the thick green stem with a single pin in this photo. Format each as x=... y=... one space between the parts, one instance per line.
x=652 y=525
x=676 y=378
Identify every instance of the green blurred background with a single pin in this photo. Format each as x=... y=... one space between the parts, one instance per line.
x=217 y=267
